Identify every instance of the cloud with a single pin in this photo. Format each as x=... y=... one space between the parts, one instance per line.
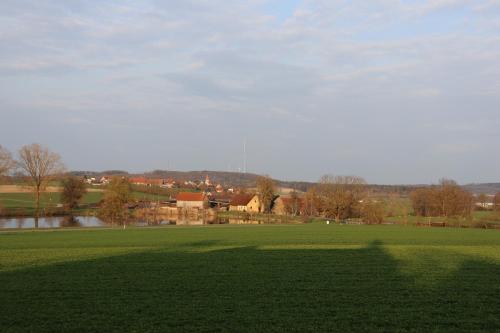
x=347 y=75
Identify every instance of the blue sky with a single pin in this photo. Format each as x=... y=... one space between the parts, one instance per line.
x=393 y=91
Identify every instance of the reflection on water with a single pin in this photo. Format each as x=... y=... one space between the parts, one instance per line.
x=70 y=221
x=51 y=222
x=91 y=221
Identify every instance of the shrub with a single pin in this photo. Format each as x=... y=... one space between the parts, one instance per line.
x=373 y=212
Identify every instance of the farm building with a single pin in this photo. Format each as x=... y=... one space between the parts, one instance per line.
x=138 y=180
x=192 y=200
x=245 y=203
x=288 y=206
x=146 y=181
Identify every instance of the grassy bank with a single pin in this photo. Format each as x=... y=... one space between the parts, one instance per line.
x=308 y=277
x=271 y=218
x=23 y=204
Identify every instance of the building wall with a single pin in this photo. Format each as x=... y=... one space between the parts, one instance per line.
x=238 y=208
x=254 y=205
x=191 y=204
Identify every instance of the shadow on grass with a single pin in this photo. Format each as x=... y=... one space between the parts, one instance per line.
x=247 y=289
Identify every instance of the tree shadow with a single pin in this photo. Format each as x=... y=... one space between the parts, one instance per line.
x=247 y=289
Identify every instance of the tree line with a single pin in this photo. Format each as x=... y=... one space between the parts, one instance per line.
x=447 y=199
x=333 y=197
x=346 y=197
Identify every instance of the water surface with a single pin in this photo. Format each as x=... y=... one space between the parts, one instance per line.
x=93 y=222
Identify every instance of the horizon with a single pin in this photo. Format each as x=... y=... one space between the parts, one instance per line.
x=398 y=92
x=144 y=173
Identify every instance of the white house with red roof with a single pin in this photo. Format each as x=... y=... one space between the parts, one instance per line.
x=192 y=200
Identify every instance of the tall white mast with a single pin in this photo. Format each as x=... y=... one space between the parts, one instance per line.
x=245 y=156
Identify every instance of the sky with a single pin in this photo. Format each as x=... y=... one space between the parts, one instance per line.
x=395 y=91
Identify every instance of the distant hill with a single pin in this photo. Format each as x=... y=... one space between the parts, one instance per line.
x=487 y=188
x=236 y=179
x=239 y=179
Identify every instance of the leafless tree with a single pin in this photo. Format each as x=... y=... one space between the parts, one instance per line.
x=455 y=201
x=6 y=161
x=73 y=191
x=312 y=202
x=373 y=212
x=447 y=199
x=341 y=195
x=114 y=208
x=266 y=189
x=41 y=165
x=293 y=204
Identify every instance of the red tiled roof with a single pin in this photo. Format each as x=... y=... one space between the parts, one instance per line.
x=138 y=180
x=190 y=196
x=241 y=199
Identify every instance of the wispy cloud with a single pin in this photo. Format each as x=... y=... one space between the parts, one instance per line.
x=362 y=68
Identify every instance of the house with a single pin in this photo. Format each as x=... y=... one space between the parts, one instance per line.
x=169 y=183
x=245 y=203
x=192 y=200
x=288 y=206
x=485 y=205
x=207 y=181
x=189 y=183
x=89 y=180
x=138 y=180
x=105 y=180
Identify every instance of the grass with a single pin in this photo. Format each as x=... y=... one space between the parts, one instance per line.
x=262 y=217
x=149 y=196
x=274 y=278
x=25 y=202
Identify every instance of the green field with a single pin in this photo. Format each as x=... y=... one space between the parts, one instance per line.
x=310 y=277
x=26 y=201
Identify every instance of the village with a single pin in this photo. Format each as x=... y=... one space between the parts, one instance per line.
x=195 y=197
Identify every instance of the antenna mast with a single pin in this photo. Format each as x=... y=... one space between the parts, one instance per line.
x=245 y=156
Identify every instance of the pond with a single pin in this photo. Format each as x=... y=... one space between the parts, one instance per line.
x=92 y=222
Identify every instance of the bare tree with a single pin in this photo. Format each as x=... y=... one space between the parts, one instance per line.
x=455 y=201
x=312 y=202
x=41 y=165
x=73 y=191
x=295 y=203
x=6 y=161
x=114 y=207
x=341 y=195
x=447 y=199
x=373 y=212
x=266 y=189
